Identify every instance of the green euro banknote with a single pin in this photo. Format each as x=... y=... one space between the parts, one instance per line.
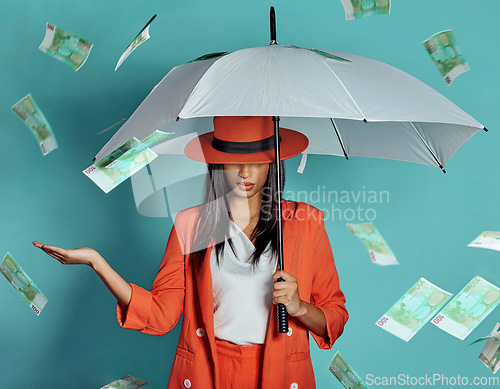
x=494 y=334
x=345 y=374
x=124 y=160
x=490 y=355
x=487 y=240
x=65 y=46
x=446 y=55
x=380 y=252
x=109 y=177
x=115 y=154
x=355 y=9
x=412 y=311
x=468 y=308
x=31 y=115
x=140 y=38
x=22 y=283
x=127 y=382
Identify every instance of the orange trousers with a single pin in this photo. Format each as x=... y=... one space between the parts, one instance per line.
x=239 y=366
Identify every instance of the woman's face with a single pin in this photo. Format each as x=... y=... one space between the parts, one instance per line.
x=246 y=180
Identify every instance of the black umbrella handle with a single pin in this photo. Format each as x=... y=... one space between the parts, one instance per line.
x=282 y=313
x=282 y=319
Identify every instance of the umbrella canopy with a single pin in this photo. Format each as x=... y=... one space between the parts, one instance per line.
x=346 y=104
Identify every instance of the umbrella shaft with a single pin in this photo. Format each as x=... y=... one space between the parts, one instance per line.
x=282 y=313
x=276 y=120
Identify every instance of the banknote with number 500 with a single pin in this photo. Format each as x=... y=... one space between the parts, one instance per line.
x=412 y=311
x=22 y=283
x=468 y=308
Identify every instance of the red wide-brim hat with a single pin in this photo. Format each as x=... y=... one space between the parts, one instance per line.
x=244 y=140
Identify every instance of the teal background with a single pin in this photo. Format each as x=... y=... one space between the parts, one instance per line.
x=428 y=221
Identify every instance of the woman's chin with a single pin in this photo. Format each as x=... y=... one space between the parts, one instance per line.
x=242 y=193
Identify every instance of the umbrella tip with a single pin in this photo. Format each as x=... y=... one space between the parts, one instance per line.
x=485 y=129
x=273 y=26
x=93 y=159
x=442 y=168
x=364 y=119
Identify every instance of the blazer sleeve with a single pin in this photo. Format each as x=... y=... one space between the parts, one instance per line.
x=325 y=292
x=157 y=311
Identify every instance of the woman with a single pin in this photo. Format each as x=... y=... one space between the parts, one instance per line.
x=229 y=335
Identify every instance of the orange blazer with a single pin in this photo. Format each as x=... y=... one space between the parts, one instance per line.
x=287 y=362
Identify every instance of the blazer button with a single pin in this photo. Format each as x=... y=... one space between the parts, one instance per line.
x=294 y=386
x=200 y=332
x=187 y=383
x=289 y=333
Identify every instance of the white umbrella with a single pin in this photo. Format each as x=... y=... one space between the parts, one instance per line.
x=345 y=104
x=359 y=107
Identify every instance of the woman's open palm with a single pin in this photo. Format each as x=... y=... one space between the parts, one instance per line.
x=82 y=255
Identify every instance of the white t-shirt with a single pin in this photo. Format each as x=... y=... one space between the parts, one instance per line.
x=242 y=293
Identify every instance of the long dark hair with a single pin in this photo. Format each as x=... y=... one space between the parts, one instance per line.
x=214 y=219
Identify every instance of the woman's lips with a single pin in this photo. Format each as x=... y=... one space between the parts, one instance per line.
x=246 y=186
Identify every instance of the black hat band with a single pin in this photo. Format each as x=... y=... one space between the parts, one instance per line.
x=244 y=147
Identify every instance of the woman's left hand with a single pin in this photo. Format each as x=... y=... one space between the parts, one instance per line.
x=287 y=292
